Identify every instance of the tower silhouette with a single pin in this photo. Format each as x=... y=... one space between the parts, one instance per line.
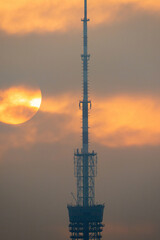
x=85 y=216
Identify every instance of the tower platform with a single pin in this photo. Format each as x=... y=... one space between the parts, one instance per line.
x=86 y=222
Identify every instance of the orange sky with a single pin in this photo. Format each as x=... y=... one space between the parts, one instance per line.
x=25 y=16
x=41 y=43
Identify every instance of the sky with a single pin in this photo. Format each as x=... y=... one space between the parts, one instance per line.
x=40 y=120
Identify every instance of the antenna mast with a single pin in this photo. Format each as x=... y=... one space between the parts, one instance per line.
x=85 y=58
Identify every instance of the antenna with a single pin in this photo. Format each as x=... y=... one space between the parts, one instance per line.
x=85 y=217
x=72 y=194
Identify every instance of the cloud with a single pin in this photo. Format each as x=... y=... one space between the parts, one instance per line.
x=115 y=121
x=48 y=16
x=127 y=121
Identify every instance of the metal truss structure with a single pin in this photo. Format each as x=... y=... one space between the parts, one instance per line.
x=92 y=173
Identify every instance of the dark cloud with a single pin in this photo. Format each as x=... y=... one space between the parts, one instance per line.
x=124 y=57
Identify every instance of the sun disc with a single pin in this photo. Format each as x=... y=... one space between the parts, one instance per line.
x=19 y=104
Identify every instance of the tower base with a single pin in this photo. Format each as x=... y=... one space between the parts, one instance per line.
x=86 y=222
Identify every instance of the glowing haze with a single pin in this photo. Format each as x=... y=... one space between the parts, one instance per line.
x=21 y=16
x=116 y=121
x=18 y=104
x=127 y=121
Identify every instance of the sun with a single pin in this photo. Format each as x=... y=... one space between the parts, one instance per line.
x=19 y=104
x=36 y=103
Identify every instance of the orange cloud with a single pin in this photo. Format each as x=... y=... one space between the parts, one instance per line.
x=21 y=16
x=18 y=104
x=66 y=106
x=127 y=121
x=116 y=121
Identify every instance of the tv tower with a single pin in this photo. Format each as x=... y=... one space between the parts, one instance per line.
x=85 y=216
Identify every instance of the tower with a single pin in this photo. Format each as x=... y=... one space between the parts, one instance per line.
x=85 y=216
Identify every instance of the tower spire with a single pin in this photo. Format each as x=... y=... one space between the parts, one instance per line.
x=85 y=58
